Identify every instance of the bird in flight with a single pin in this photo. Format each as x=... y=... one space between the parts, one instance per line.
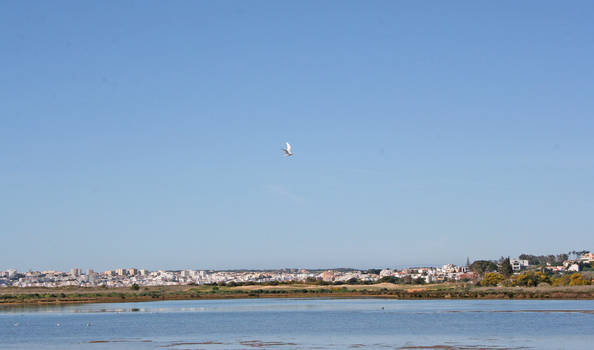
x=287 y=150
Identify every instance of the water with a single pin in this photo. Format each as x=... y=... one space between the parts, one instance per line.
x=303 y=324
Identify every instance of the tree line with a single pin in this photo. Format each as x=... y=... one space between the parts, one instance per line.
x=551 y=258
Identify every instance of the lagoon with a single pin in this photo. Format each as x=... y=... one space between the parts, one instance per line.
x=302 y=324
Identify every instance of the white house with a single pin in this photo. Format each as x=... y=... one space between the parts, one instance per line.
x=386 y=272
x=587 y=258
x=573 y=267
x=518 y=264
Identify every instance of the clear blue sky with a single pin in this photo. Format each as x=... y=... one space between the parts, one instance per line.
x=148 y=134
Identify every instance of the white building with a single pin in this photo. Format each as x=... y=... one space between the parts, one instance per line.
x=573 y=267
x=587 y=258
x=386 y=272
x=518 y=264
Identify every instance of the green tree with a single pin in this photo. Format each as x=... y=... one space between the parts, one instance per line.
x=578 y=253
x=561 y=258
x=135 y=287
x=482 y=266
x=505 y=267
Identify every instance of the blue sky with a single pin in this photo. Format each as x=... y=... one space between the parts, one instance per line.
x=148 y=134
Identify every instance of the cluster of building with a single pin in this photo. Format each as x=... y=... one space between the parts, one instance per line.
x=141 y=277
x=572 y=265
x=449 y=272
x=127 y=277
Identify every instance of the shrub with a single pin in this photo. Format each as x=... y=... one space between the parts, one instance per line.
x=530 y=279
x=560 y=281
x=492 y=279
x=508 y=283
x=388 y=279
x=576 y=279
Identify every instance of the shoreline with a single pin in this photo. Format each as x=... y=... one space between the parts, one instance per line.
x=66 y=296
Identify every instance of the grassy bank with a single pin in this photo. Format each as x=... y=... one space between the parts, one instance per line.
x=41 y=296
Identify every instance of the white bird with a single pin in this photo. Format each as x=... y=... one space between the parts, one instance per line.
x=287 y=150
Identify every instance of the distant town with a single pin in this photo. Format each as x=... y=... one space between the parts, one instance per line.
x=135 y=277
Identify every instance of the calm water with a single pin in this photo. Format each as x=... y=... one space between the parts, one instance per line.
x=303 y=324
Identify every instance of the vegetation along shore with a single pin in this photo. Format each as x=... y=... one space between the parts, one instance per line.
x=448 y=290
